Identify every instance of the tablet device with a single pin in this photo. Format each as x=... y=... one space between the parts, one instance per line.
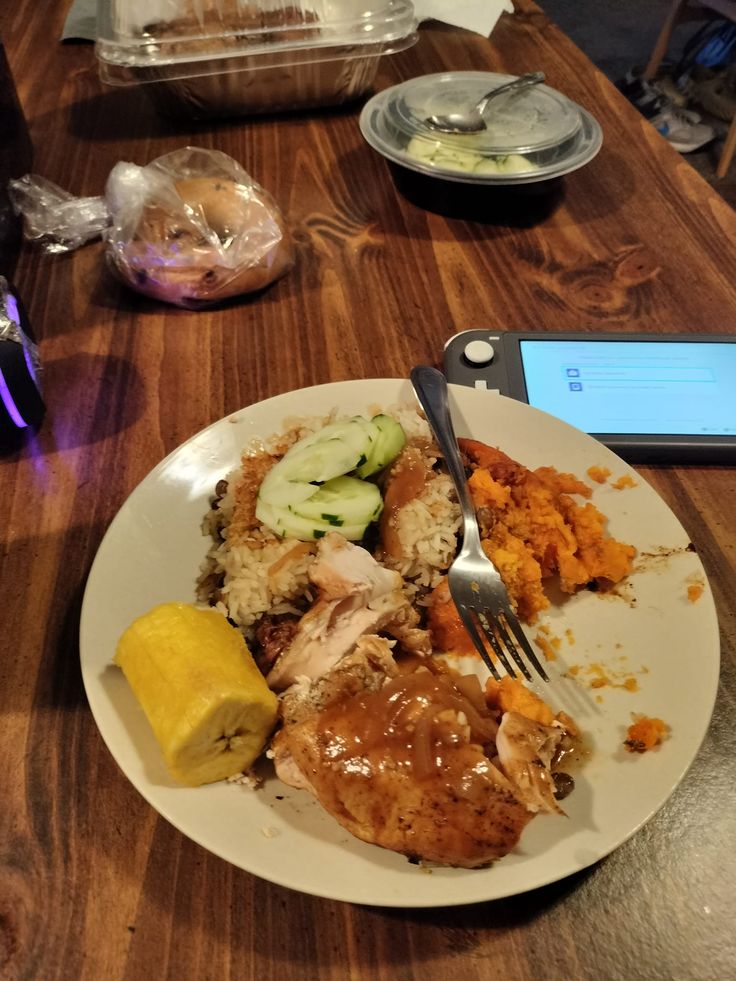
x=652 y=398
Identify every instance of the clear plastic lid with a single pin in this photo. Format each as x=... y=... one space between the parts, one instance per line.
x=186 y=37
x=530 y=135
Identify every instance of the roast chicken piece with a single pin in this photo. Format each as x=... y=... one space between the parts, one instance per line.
x=366 y=669
x=525 y=751
x=400 y=761
x=357 y=596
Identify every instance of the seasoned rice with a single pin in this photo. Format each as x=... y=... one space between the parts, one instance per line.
x=427 y=530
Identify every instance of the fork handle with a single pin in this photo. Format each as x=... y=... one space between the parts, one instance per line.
x=430 y=386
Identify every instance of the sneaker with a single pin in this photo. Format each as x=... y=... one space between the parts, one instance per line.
x=646 y=97
x=675 y=90
x=682 y=129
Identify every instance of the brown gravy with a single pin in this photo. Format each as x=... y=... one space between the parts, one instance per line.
x=406 y=482
x=420 y=723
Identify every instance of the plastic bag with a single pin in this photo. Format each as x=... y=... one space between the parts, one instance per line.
x=190 y=228
x=53 y=218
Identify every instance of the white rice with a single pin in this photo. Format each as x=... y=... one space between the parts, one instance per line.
x=427 y=530
x=250 y=589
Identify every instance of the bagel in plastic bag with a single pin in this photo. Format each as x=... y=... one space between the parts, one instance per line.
x=190 y=228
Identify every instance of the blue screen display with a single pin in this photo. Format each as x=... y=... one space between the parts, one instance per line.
x=648 y=387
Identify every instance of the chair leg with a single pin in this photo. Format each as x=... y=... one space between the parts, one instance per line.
x=663 y=41
x=724 y=161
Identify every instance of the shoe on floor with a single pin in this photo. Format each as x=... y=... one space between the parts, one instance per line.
x=682 y=129
x=678 y=95
x=646 y=97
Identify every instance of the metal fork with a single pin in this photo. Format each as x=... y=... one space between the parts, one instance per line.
x=475 y=584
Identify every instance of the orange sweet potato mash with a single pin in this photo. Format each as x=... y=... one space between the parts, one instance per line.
x=512 y=695
x=532 y=530
x=644 y=734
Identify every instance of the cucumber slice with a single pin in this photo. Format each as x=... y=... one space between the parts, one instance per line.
x=342 y=502
x=356 y=432
x=422 y=149
x=318 y=462
x=286 y=524
x=283 y=493
x=332 y=451
x=390 y=442
x=308 y=493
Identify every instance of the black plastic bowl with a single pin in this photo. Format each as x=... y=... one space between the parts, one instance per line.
x=517 y=205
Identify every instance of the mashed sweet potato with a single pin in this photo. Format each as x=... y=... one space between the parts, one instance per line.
x=644 y=734
x=532 y=529
x=510 y=695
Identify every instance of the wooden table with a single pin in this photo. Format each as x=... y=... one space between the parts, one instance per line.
x=93 y=884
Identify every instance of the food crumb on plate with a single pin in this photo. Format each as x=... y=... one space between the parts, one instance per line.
x=251 y=780
x=548 y=643
x=645 y=733
x=623 y=482
x=269 y=832
x=600 y=475
x=694 y=591
x=597 y=675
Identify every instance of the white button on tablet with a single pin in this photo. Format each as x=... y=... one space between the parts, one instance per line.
x=482 y=386
x=479 y=352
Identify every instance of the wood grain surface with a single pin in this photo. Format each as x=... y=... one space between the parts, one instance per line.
x=93 y=884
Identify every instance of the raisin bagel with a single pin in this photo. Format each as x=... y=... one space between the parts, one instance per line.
x=210 y=240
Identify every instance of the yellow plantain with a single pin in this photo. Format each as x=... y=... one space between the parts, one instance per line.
x=209 y=706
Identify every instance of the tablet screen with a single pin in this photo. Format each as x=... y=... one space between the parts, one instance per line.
x=646 y=387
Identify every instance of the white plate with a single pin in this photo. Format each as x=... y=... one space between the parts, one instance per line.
x=649 y=630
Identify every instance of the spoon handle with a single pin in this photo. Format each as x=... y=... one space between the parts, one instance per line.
x=518 y=84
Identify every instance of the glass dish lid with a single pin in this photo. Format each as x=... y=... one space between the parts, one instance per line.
x=175 y=35
x=531 y=135
x=533 y=119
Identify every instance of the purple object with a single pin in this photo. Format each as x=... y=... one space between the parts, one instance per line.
x=21 y=404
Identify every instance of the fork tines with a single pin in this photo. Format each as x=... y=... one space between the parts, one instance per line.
x=503 y=632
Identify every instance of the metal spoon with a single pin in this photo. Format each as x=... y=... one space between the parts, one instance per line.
x=471 y=120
